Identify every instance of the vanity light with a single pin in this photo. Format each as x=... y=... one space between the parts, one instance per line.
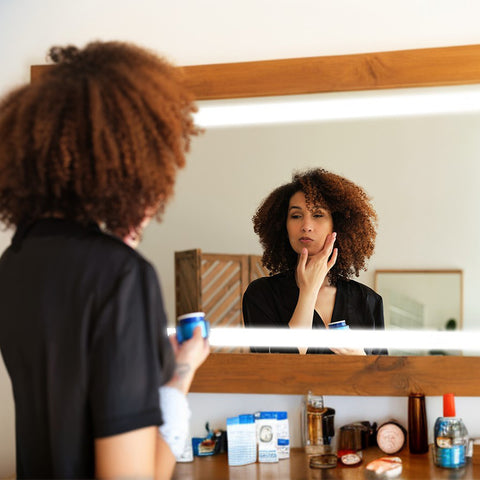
x=339 y=106
x=390 y=339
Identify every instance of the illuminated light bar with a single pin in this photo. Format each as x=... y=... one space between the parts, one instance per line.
x=390 y=339
x=338 y=106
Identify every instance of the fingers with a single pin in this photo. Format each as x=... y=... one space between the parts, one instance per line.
x=303 y=259
x=195 y=349
x=329 y=241
x=197 y=332
x=327 y=253
x=333 y=259
x=348 y=351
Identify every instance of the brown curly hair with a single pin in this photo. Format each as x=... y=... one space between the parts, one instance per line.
x=354 y=220
x=98 y=137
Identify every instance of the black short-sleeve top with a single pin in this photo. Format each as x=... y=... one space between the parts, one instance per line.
x=83 y=337
x=271 y=301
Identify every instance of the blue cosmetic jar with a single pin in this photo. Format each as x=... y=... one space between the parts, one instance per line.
x=187 y=323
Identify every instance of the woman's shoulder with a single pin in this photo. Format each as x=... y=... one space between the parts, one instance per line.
x=272 y=282
x=352 y=286
x=113 y=258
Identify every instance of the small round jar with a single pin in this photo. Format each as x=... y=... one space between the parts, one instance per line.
x=391 y=437
x=350 y=458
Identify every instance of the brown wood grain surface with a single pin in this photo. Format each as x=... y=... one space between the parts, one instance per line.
x=366 y=71
x=338 y=375
x=414 y=467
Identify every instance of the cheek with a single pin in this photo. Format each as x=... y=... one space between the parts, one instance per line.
x=290 y=227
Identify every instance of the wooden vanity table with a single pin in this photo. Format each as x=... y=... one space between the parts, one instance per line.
x=417 y=467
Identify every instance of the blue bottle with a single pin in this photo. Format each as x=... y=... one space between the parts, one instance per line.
x=450 y=437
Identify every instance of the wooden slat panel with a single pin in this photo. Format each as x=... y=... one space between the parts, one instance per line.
x=231 y=318
x=256 y=269
x=230 y=302
x=220 y=288
x=223 y=278
x=211 y=269
x=188 y=295
x=338 y=375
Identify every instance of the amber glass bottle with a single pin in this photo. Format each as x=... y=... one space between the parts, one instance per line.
x=417 y=424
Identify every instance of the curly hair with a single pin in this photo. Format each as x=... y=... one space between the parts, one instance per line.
x=98 y=137
x=354 y=220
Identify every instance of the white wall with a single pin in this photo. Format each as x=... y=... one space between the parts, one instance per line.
x=212 y=31
x=347 y=410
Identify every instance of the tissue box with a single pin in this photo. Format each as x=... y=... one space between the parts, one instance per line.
x=241 y=438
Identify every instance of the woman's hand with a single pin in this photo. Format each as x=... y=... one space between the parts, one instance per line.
x=311 y=274
x=348 y=351
x=189 y=356
x=311 y=271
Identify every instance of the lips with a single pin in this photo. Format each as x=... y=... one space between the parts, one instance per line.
x=306 y=240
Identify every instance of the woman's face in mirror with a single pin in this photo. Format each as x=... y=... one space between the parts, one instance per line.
x=307 y=228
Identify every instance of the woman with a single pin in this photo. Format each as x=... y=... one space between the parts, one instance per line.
x=88 y=155
x=317 y=232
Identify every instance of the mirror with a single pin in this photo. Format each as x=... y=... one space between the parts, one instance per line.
x=371 y=376
x=412 y=166
x=421 y=299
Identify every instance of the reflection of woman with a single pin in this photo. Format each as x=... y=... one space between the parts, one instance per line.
x=88 y=154
x=316 y=231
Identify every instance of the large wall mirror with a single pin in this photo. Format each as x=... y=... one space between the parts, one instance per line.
x=423 y=196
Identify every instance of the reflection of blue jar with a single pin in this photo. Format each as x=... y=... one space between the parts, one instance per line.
x=187 y=323
x=450 y=437
x=340 y=325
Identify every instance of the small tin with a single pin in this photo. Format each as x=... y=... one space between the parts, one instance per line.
x=326 y=460
x=187 y=323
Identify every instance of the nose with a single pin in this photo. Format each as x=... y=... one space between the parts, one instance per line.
x=307 y=226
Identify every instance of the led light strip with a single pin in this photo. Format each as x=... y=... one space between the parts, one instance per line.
x=340 y=105
x=390 y=339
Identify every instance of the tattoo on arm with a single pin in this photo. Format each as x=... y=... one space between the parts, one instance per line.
x=182 y=370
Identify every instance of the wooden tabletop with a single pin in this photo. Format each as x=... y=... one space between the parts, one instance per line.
x=418 y=467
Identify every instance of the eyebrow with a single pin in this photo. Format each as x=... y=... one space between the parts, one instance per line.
x=313 y=210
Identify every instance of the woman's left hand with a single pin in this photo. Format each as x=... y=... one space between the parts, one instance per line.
x=348 y=351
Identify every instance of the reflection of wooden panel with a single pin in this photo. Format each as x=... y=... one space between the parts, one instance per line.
x=222 y=291
x=257 y=270
x=213 y=283
x=340 y=374
x=188 y=293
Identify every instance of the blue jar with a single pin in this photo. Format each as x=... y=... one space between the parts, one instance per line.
x=187 y=323
x=450 y=437
x=340 y=325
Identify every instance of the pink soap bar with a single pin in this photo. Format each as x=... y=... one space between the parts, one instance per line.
x=388 y=466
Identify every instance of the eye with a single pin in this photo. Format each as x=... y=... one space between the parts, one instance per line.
x=318 y=215
x=295 y=215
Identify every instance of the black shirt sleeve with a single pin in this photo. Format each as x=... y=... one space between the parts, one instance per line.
x=129 y=355
x=375 y=307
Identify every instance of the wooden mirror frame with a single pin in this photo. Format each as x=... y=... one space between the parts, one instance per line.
x=328 y=374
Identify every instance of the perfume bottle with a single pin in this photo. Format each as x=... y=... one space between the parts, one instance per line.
x=317 y=425
x=450 y=437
